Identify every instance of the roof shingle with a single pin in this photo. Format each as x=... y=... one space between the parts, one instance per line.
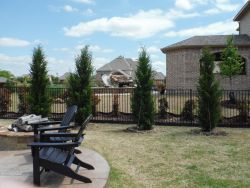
x=210 y=40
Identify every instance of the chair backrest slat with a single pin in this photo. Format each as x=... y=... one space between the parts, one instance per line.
x=82 y=127
x=69 y=115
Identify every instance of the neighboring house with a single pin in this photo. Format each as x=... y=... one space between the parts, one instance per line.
x=122 y=71
x=3 y=80
x=64 y=77
x=127 y=65
x=183 y=58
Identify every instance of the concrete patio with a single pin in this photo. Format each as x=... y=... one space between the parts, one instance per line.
x=16 y=171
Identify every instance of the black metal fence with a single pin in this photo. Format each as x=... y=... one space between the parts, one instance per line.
x=173 y=107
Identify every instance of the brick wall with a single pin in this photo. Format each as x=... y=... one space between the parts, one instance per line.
x=183 y=69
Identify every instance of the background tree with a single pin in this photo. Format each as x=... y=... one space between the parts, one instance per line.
x=142 y=99
x=6 y=74
x=208 y=93
x=80 y=86
x=39 y=100
x=231 y=64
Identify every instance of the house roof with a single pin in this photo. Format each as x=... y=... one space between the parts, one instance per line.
x=3 y=80
x=119 y=63
x=158 y=75
x=64 y=76
x=210 y=40
x=242 y=11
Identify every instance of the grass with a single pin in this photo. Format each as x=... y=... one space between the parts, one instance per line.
x=172 y=157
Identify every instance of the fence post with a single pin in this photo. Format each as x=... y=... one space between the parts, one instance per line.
x=191 y=97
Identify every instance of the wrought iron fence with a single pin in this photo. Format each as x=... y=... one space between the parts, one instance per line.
x=173 y=107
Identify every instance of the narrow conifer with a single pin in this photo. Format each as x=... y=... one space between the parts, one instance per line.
x=142 y=99
x=208 y=93
x=80 y=85
x=39 y=101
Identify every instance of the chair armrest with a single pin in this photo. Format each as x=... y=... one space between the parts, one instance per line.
x=56 y=145
x=44 y=123
x=56 y=128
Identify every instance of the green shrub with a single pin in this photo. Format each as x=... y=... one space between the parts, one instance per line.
x=163 y=107
x=23 y=94
x=188 y=110
x=244 y=108
x=5 y=100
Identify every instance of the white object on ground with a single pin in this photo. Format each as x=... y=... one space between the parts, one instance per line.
x=23 y=122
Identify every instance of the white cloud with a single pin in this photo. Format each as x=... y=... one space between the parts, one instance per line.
x=159 y=66
x=183 y=4
x=226 y=27
x=222 y=6
x=189 y=4
x=68 y=8
x=138 y=25
x=14 y=59
x=150 y=49
x=100 y=61
x=95 y=48
x=88 y=12
x=61 y=49
x=153 y=49
x=84 y=1
x=13 y=42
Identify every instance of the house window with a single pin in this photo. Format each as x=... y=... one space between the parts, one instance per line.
x=218 y=60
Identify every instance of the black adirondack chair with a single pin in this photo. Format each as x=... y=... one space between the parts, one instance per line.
x=58 y=157
x=67 y=119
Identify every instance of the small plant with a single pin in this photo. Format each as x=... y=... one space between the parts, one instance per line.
x=188 y=110
x=95 y=101
x=115 y=106
x=23 y=105
x=161 y=88
x=5 y=100
x=244 y=109
x=231 y=65
x=163 y=107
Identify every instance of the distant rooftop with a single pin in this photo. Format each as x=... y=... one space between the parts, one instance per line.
x=119 y=63
x=210 y=40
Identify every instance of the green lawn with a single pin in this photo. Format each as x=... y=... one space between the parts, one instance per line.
x=172 y=157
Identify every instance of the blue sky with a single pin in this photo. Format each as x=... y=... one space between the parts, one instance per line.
x=111 y=28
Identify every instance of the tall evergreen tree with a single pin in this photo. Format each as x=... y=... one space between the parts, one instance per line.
x=80 y=86
x=208 y=93
x=142 y=99
x=39 y=100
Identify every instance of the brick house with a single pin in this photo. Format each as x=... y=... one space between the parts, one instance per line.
x=182 y=58
x=125 y=67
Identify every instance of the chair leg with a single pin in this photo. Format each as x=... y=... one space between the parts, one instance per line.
x=67 y=171
x=83 y=164
x=36 y=166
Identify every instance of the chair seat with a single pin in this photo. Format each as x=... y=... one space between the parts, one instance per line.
x=60 y=139
x=53 y=155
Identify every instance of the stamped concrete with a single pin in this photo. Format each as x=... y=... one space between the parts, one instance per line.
x=16 y=171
